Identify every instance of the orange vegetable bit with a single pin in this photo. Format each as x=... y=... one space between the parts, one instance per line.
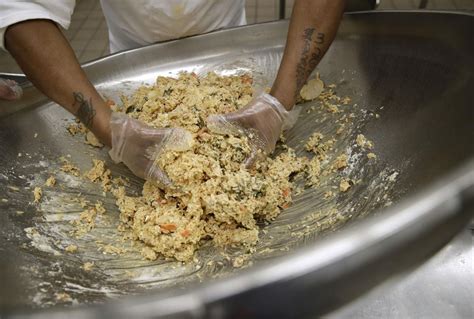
x=286 y=192
x=168 y=228
x=246 y=79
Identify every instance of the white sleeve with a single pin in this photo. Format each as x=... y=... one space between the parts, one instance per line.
x=13 y=11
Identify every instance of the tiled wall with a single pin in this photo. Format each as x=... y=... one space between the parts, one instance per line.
x=88 y=31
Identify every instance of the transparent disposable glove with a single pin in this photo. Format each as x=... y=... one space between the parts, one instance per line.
x=262 y=121
x=10 y=90
x=139 y=146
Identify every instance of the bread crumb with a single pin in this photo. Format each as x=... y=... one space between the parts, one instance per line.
x=76 y=128
x=393 y=177
x=332 y=108
x=148 y=253
x=328 y=194
x=71 y=248
x=344 y=185
x=371 y=156
x=314 y=171
x=318 y=147
x=86 y=220
x=340 y=162
x=363 y=142
x=92 y=140
x=97 y=170
x=69 y=168
x=63 y=297
x=87 y=266
x=50 y=182
x=99 y=173
x=313 y=141
x=37 y=193
x=99 y=207
x=239 y=261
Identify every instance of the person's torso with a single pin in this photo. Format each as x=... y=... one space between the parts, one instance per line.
x=135 y=23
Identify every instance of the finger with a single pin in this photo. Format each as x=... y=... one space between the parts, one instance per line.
x=10 y=90
x=178 y=140
x=219 y=124
x=156 y=174
x=255 y=155
x=251 y=160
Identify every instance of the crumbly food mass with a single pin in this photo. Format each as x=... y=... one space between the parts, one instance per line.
x=216 y=197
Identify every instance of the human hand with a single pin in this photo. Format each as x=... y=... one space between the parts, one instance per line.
x=9 y=90
x=139 y=146
x=262 y=121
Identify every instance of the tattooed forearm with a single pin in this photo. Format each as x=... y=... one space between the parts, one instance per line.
x=310 y=56
x=302 y=64
x=85 y=111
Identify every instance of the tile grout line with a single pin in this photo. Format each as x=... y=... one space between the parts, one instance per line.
x=93 y=34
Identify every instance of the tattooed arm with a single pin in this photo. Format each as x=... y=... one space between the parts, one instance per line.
x=49 y=62
x=313 y=27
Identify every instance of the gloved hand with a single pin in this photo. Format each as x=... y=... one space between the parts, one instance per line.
x=262 y=121
x=139 y=146
x=10 y=90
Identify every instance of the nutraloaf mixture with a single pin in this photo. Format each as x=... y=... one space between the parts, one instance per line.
x=216 y=198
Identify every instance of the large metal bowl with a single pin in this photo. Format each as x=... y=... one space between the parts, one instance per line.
x=414 y=69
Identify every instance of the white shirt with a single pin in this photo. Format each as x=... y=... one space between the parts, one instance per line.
x=133 y=23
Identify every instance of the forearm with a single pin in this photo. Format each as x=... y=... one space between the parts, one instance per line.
x=313 y=27
x=48 y=61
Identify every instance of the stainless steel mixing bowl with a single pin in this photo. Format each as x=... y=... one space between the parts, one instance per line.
x=410 y=76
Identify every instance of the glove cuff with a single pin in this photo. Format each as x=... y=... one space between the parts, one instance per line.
x=118 y=126
x=288 y=118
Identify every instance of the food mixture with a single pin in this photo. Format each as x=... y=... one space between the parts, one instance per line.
x=215 y=197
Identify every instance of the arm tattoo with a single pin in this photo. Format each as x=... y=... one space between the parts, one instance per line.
x=308 y=60
x=85 y=111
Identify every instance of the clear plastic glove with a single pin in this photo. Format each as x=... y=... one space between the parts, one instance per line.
x=139 y=146
x=10 y=90
x=262 y=121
